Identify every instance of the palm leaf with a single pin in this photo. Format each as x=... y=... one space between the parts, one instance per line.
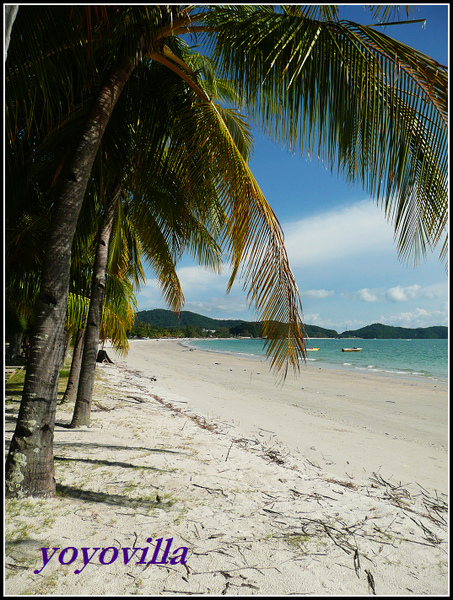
x=356 y=98
x=254 y=242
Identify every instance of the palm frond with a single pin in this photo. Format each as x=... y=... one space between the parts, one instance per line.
x=118 y=312
x=361 y=101
x=254 y=242
x=77 y=311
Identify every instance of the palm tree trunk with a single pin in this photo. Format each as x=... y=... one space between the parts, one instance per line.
x=73 y=380
x=29 y=467
x=10 y=17
x=82 y=409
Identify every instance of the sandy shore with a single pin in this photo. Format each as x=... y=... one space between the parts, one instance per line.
x=334 y=484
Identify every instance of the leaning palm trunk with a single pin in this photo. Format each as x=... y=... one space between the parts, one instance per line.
x=29 y=466
x=10 y=17
x=73 y=381
x=82 y=409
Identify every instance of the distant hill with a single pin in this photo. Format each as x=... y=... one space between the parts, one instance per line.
x=380 y=331
x=314 y=331
x=169 y=320
x=166 y=318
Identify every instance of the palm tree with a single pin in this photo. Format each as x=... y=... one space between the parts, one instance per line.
x=10 y=16
x=93 y=323
x=117 y=319
x=362 y=101
x=161 y=215
x=76 y=341
x=307 y=77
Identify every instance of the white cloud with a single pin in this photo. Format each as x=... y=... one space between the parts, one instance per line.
x=317 y=294
x=397 y=293
x=420 y=317
x=328 y=323
x=220 y=306
x=366 y=295
x=150 y=296
x=355 y=231
x=194 y=280
x=402 y=294
x=363 y=295
x=200 y=279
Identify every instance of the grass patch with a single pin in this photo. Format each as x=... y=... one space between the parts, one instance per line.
x=15 y=385
x=29 y=516
x=296 y=540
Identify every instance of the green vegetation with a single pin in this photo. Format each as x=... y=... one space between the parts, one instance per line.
x=379 y=331
x=15 y=382
x=160 y=323
x=166 y=318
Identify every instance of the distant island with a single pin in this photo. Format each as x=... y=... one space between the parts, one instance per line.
x=164 y=323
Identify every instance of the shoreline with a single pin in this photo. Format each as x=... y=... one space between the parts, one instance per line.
x=172 y=459
x=340 y=367
x=347 y=421
x=345 y=367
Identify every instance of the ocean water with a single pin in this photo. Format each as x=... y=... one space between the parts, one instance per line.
x=411 y=358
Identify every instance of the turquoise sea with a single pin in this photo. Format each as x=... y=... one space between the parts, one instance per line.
x=412 y=358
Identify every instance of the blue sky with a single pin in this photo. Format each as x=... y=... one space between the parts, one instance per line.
x=340 y=246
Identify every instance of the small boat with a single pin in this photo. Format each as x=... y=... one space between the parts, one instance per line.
x=312 y=349
x=351 y=349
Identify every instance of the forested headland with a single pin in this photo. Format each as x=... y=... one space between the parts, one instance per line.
x=160 y=323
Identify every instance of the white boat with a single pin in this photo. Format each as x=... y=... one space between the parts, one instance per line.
x=351 y=349
x=312 y=349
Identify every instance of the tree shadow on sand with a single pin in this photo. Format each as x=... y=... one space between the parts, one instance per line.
x=119 y=448
x=67 y=491
x=109 y=463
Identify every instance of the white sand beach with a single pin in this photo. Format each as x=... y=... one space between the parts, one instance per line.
x=333 y=484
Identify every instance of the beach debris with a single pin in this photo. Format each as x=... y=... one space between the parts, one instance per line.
x=398 y=495
x=266 y=430
x=371 y=584
x=137 y=399
x=275 y=456
x=430 y=536
x=357 y=563
x=228 y=453
x=434 y=505
x=313 y=496
x=313 y=464
x=347 y=484
x=210 y=490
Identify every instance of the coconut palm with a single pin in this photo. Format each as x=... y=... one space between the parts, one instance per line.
x=165 y=218
x=361 y=100
x=117 y=319
x=365 y=103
